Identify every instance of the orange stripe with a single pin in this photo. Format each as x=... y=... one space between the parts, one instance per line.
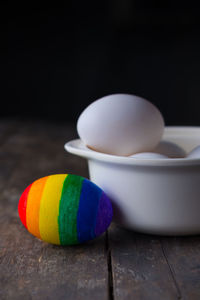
x=33 y=206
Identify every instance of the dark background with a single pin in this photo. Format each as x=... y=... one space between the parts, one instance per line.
x=57 y=58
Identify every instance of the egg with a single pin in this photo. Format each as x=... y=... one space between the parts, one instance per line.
x=65 y=209
x=195 y=153
x=148 y=155
x=121 y=124
x=170 y=149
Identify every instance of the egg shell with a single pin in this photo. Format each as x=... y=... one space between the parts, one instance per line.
x=148 y=155
x=170 y=149
x=195 y=153
x=65 y=209
x=121 y=124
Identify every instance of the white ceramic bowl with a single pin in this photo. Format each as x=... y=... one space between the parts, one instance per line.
x=152 y=196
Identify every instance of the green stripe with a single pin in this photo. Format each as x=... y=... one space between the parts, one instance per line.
x=69 y=203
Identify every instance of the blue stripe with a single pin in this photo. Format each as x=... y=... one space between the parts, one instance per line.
x=87 y=211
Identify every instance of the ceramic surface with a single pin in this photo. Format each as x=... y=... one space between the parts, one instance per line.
x=152 y=196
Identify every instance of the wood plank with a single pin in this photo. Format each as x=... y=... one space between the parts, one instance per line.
x=139 y=268
x=30 y=268
x=142 y=266
x=183 y=256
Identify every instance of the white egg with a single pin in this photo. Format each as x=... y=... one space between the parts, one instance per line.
x=148 y=155
x=195 y=153
x=121 y=124
x=170 y=149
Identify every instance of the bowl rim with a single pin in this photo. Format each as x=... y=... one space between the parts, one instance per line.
x=77 y=147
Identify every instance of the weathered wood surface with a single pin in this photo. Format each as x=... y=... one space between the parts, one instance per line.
x=139 y=267
x=29 y=268
x=119 y=265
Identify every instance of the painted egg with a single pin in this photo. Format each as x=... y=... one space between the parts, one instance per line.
x=65 y=209
x=195 y=153
x=121 y=124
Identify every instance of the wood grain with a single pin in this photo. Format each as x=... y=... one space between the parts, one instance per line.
x=30 y=268
x=119 y=265
x=139 y=267
x=183 y=257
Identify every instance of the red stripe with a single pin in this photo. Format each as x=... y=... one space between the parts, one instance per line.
x=22 y=205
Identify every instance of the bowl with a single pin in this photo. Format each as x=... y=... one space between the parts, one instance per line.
x=159 y=196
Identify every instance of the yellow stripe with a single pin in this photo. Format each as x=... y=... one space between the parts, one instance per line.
x=49 y=208
x=33 y=206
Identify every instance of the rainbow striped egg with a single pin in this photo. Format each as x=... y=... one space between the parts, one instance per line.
x=65 y=209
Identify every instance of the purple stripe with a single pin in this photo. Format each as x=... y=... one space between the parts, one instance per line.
x=104 y=215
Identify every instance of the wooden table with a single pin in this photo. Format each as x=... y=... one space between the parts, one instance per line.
x=119 y=265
